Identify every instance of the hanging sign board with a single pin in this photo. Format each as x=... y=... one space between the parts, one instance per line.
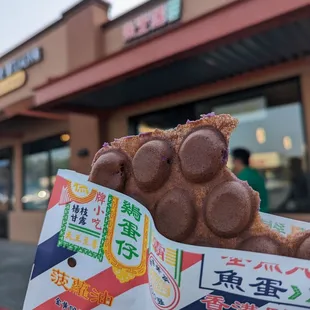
x=163 y=15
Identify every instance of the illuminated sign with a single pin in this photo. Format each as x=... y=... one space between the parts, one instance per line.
x=13 y=82
x=27 y=60
x=266 y=160
x=161 y=16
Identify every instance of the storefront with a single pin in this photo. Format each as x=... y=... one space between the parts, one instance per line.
x=6 y=188
x=271 y=126
x=155 y=67
x=41 y=160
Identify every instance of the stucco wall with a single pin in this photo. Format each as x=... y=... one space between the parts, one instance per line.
x=83 y=30
x=112 y=38
x=25 y=226
x=54 y=63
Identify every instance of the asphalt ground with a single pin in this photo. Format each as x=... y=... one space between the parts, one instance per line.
x=16 y=261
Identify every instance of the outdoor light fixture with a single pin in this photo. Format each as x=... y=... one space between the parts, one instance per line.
x=65 y=137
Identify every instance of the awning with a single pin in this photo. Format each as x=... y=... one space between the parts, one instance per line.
x=240 y=38
x=14 y=121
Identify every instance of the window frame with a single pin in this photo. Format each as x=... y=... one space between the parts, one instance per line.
x=268 y=90
x=7 y=153
x=41 y=146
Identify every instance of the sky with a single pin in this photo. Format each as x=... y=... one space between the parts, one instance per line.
x=20 y=19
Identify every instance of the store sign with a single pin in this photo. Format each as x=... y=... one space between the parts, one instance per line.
x=270 y=160
x=266 y=160
x=161 y=16
x=13 y=82
x=32 y=57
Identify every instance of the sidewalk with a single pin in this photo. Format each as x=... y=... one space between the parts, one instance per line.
x=15 y=266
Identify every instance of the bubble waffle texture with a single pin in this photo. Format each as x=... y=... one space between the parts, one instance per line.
x=180 y=175
x=299 y=245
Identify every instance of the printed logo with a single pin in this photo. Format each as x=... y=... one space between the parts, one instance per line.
x=164 y=290
x=81 y=193
x=84 y=226
x=127 y=240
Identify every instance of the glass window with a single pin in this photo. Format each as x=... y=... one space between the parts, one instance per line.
x=59 y=160
x=6 y=188
x=36 y=185
x=42 y=159
x=275 y=139
x=270 y=127
x=164 y=119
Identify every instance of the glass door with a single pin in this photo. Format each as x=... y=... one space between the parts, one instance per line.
x=5 y=188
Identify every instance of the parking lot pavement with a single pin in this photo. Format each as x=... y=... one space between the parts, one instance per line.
x=16 y=260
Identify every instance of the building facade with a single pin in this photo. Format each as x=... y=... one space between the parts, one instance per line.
x=86 y=80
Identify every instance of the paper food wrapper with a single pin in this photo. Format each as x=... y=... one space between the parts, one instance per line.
x=99 y=249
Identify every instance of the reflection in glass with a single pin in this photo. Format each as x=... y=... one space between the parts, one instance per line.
x=42 y=159
x=283 y=127
x=5 y=184
x=59 y=160
x=270 y=127
x=164 y=119
x=36 y=186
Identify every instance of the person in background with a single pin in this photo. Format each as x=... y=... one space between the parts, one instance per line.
x=242 y=169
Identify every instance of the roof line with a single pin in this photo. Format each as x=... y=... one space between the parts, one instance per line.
x=100 y=60
x=53 y=25
x=35 y=36
x=271 y=23
x=184 y=39
x=80 y=4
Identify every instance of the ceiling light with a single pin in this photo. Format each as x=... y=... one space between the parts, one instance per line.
x=65 y=137
x=260 y=135
x=287 y=142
